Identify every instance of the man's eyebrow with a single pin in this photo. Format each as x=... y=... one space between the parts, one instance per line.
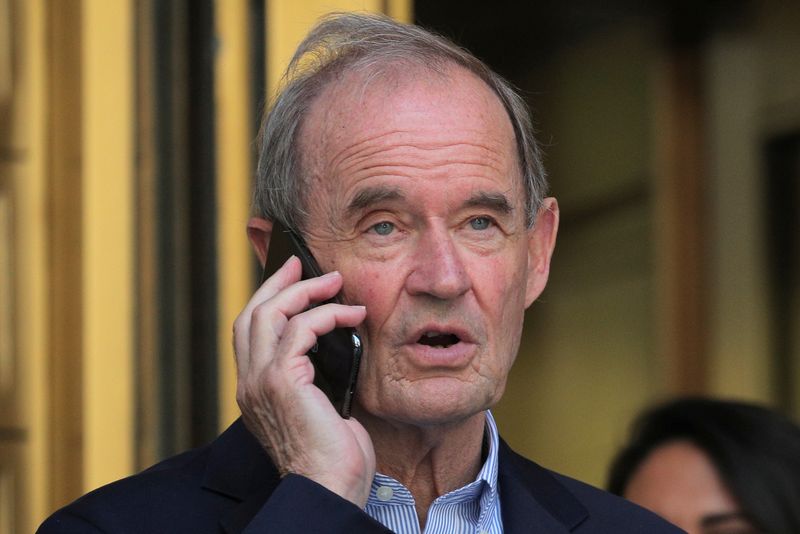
x=372 y=195
x=496 y=202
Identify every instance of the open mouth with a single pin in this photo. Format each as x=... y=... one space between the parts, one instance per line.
x=438 y=340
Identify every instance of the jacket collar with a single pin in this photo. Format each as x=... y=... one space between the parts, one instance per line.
x=237 y=465
x=239 y=468
x=529 y=494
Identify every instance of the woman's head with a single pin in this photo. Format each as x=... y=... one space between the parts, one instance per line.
x=713 y=466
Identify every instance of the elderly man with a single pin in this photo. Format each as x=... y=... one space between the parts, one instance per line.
x=411 y=173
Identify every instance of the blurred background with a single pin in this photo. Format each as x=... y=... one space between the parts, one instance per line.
x=672 y=134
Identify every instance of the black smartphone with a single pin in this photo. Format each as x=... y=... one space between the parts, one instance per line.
x=337 y=354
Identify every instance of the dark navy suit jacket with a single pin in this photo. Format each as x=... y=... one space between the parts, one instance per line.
x=231 y=486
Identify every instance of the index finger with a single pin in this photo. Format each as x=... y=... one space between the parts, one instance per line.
x=289 y=273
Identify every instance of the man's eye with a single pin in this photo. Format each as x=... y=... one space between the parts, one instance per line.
x=383 y=228
x=480 y=223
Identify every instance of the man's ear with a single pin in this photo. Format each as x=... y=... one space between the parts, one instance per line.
x=259 y=231
x=541 y=242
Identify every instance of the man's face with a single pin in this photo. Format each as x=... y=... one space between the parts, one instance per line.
x=416 y=198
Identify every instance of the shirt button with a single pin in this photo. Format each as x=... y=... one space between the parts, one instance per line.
x=385 y=493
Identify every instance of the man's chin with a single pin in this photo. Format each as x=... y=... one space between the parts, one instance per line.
x=432 y=403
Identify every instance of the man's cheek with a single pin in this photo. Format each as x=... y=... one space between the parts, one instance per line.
x=375 y=285
x=374 y=293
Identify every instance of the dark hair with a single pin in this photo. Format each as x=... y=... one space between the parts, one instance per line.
x=756 y=452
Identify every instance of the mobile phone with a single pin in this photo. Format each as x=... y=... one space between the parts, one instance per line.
x=336 y=355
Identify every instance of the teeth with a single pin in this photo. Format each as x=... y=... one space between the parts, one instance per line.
x=438 y=340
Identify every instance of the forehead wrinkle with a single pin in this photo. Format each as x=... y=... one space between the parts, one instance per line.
x=344 y=130
x=337 y=112
x=355 y=150
x=487 y=158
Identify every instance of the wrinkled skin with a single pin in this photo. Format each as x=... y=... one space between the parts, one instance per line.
x=415 y=199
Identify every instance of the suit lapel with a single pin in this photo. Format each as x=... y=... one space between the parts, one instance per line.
x=237 y=519
x=532 y=499
x=239 y=468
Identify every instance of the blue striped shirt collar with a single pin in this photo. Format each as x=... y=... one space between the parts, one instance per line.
x=473 y=507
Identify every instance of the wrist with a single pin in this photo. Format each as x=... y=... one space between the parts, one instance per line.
x=354 y=489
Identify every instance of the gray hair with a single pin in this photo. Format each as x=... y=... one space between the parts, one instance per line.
x=342 y=43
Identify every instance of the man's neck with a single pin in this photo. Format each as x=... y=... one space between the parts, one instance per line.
x=429 y=461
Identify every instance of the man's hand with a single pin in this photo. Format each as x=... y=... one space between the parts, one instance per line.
x=294 y=421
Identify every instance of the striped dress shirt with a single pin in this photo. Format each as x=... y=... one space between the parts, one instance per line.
x=473 y=509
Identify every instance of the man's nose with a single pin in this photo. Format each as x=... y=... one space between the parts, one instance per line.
x=438 y=268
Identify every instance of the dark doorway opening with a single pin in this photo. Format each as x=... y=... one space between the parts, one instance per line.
x=782 y=156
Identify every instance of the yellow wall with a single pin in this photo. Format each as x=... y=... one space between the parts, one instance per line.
x=32 y=130
x=22 y=186
x=107 y=226
x=234 y=172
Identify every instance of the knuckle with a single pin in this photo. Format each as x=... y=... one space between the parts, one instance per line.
x=268 y=314
x=236 y=330
x=300 y=330
x=241 y=396
x=298 y=322
x=240 y=327
x=262 y=313
x=243 y=399
x=309 y=321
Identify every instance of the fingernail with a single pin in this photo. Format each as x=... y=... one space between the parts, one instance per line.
x=331 y=274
